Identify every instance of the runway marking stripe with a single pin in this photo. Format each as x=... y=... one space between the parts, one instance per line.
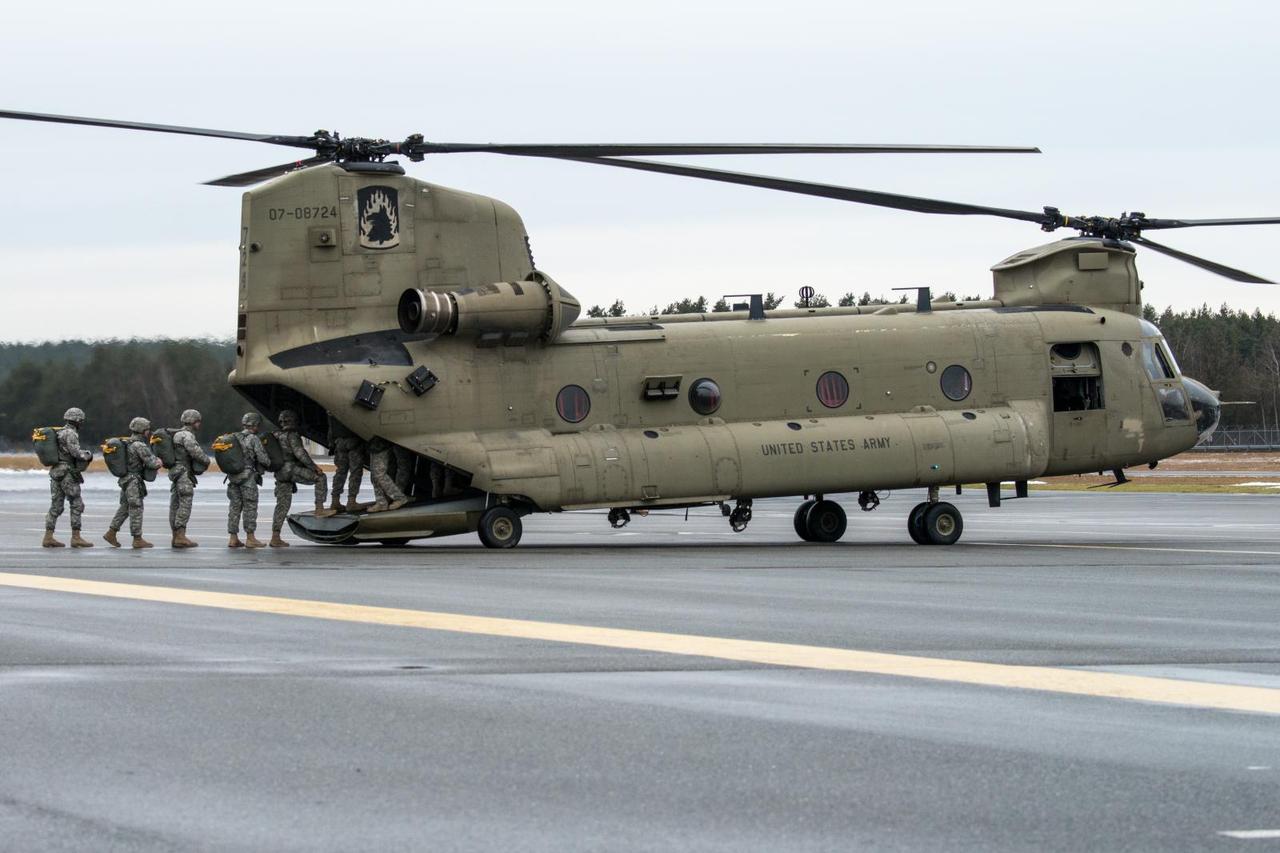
x=1166 y=691
x=1130 y=548
x=1250 y=834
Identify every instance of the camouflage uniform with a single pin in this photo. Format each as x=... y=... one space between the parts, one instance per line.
x=403 y=474
x=349 y=459
x=298 y=468
x=242 y=488
x=65 y=478
x=185 y=450
x=385 y=489
x=132 y=486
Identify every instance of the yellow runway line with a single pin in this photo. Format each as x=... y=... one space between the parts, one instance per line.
x=1166 y=691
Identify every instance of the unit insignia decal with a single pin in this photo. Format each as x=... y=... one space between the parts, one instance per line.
x=379 y=211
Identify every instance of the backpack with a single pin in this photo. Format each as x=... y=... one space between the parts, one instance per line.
x=162 y=446
x=115 y=451
x=275 y=451
x=229 y=452
x=45 y=440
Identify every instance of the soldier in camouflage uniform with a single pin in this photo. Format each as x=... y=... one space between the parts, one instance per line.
x=298 y=468
x=388 y=494
x=65 y=480
x=242 y=488
x=186 y=451
x=402 y=460
x=132 y=486
x=349 y=459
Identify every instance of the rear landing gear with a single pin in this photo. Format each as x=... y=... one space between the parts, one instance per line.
x=500 y=527
x=938 y=523
x=820 y=521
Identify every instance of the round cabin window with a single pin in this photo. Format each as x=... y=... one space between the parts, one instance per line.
x=573 y=404
x=833 y=390
x=704 y=396
x=956 y=383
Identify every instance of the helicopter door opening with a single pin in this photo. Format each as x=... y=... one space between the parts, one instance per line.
x=1077 y=377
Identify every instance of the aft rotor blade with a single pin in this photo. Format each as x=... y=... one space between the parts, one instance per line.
x=1204 y=264
x=1151 y=224
x=244 y=179
x=274 y=139
x=643 y=149
x=872 y=197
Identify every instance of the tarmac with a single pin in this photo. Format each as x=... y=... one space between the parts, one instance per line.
x=1082 y=671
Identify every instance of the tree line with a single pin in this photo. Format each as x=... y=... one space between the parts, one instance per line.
x=1234 y=352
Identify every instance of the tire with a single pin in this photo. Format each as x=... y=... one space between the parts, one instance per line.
x=915 y=524
x=500 y=527
x=943 y=524
x=825 y=521
x=802 y=512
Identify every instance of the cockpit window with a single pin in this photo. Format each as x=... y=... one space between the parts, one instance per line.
x=1168 y=354
x=1149 y=329
x=1157 y=365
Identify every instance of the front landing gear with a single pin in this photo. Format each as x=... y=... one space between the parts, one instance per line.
x=500 y=527
x=937 y=523
x=820 y=521
x=740 y=517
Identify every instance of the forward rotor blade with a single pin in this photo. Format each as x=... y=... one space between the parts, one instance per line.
x=1151 y=224
x=244 y=179
x=872 y=197
x=659 y=149
x=1204 y=264
x=296 y=141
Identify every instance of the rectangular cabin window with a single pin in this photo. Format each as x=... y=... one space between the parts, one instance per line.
x=1076 y=371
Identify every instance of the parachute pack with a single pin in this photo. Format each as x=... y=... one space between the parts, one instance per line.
x=115 y=451
x=229 y=452
x=45 y=440
x=162 y=446
x=275 y=451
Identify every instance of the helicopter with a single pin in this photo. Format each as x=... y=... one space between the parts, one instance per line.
x=414 y=313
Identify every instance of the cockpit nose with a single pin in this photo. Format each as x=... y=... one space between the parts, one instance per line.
x=1207 y=407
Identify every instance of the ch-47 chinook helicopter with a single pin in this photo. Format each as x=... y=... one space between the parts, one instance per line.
x=414 y=313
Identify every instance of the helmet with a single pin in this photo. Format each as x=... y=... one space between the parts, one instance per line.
x=73 y=415
x=251 y=419
x=288 y=419
x=191 y=416
x=139 y=425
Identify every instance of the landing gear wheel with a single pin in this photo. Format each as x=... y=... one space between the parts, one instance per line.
x=499 y=528
x=915 y=523
x=393 y=543
x=802 y=512
x=825 y=521
x=943 y=524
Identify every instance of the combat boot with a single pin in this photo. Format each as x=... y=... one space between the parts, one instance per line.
x=353 y=505
x=234 y=542
x=322 y=512
x=336 y=506
x=78 y=541
x=276 y=541
x=110 y=538
x=139 y=543
x=251 y=541
x=180 y=539
x=50 y=542
x=379 y=506
x=396 y=504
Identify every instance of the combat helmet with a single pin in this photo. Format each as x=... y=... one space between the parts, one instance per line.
x=73 y=415
x=288 y=419
x=251 y=419
x=190 y=416
x=139 y=425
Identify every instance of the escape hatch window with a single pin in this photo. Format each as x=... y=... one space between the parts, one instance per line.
x=1076 y=370
x=833 y=389
x=573 y=404
x=704 y=396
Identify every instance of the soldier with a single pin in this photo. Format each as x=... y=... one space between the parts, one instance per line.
x=242 y=488
x=388 y=495
x=298 y=468
x=132 y=487
x=186 y=452
x=65 y=480
x=349 y=459
x=403 y=459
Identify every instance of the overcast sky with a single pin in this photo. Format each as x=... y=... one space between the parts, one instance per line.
x=1164 y=107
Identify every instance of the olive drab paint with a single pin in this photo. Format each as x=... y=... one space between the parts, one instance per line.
x=349 y=278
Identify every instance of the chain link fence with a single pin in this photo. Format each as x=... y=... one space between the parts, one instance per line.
x=1242 y=440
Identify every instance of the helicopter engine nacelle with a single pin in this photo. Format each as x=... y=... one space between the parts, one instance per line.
x=509 y=311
